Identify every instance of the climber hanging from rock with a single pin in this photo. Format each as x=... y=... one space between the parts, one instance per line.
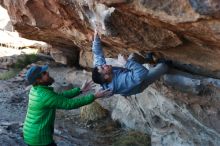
x=133 y=78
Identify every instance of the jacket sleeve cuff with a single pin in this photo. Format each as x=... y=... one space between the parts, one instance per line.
x=78 y=90
x=97 y=39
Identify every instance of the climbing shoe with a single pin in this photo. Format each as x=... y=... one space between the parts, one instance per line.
x=136 y=57
x=149 y=58
x=167 y=62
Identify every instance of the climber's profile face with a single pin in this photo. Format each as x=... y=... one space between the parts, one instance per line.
x=106 y=72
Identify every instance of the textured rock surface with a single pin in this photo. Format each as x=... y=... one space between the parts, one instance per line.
x=171 y=118
x=186 y=31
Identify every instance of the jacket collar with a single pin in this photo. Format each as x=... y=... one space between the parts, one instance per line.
x=42 y=86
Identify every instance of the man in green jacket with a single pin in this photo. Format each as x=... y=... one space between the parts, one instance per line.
x=43 y=102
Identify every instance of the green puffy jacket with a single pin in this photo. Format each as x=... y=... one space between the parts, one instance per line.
x=43 y=102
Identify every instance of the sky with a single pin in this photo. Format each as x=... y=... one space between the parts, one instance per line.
x=4 y=18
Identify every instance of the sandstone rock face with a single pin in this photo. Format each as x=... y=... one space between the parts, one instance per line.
x=186 y=31
x=171 y=118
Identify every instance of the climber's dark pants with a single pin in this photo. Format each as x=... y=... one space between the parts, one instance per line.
x=154 y=74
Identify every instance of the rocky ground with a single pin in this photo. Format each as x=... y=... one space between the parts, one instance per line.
x=13 y=100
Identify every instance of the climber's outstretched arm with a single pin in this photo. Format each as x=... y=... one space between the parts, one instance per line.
x=98 y=55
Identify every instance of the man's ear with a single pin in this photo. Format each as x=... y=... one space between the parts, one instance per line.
x=38 y=80
x=106 y=76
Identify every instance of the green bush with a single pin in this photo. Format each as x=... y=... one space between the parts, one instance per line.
x=24 y=60
x=21 y=63
x=133 y=138
x=8 y=74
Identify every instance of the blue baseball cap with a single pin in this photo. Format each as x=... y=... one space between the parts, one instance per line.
x=35 y=72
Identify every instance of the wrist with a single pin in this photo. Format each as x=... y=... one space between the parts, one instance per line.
x=96 y=96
